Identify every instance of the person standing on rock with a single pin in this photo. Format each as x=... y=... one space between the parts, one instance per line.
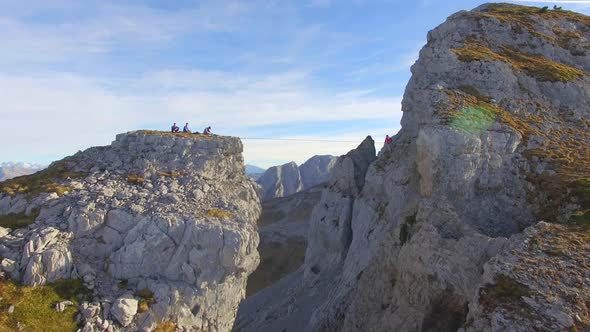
x=388 y=139
x=185 y=129
x=175 y=128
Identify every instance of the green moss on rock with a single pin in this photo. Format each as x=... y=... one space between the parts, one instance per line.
x=18 y=220
x=34 y=307
x=506 y=293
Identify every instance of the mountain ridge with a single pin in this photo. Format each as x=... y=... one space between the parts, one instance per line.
x=475 y=217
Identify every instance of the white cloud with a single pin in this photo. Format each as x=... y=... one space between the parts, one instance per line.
x=257 y=152
x=51 y=114
x=58 y=114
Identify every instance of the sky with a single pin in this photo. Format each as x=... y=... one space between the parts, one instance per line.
x=73 y=74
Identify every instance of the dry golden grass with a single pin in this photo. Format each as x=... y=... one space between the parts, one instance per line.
x=219 y=213
x=34 y=306
x=540 y=67
x=147 y=299
x=525 y=17
x=165 y=327
x=566 y=147
x=135 y=179
x=167 y=133
x=565 y=37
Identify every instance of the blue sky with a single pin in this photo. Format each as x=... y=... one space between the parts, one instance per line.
x=73 y=74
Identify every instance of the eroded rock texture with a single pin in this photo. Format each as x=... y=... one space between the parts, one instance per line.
x=170 y=216
x=444 y=231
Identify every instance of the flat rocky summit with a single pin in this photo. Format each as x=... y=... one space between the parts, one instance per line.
x=167 y=219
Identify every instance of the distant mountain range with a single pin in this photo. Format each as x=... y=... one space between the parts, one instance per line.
x=287 y=179
x=9 y=170
x=254 y=171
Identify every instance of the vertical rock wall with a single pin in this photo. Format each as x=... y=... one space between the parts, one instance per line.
x=494 y=139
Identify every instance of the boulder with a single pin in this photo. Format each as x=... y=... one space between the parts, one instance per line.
x=124 y=309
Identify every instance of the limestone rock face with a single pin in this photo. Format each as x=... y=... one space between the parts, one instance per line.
x=330 y=231
x=445 y=229
x=173 y=214
x=287 y=179
x=316 y=170
x=280 y=181
x=124 y=309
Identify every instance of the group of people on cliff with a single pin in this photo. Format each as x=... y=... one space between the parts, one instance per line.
x=176 y=129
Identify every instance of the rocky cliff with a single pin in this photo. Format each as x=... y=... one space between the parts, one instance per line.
x=287 y=179
x=476 y=217
x=167 y=220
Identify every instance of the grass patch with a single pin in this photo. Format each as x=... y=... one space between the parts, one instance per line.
x=167 y=133
x=540 y=67
x=526 y=17
x=35 y=306
x=46 y=180
x=505 y=293
x=135 y=179
x=18 y=220
x=165 y=327
x=564 y=149
x=123 y=284
x=147 y=299
x=566 y=37
x=219 y=213
x=580 y=220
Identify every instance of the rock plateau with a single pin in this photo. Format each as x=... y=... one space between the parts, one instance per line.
x=167 y=217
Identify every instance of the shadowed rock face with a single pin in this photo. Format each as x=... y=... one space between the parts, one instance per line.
x=287 y=179
x=280 y=181
x=316 y=170
x=283 y=227
x=174 y=214
x=445 y=232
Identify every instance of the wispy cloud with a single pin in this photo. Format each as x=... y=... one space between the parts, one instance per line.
x=74 y=74
x=53 y=109
x=111 y=26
